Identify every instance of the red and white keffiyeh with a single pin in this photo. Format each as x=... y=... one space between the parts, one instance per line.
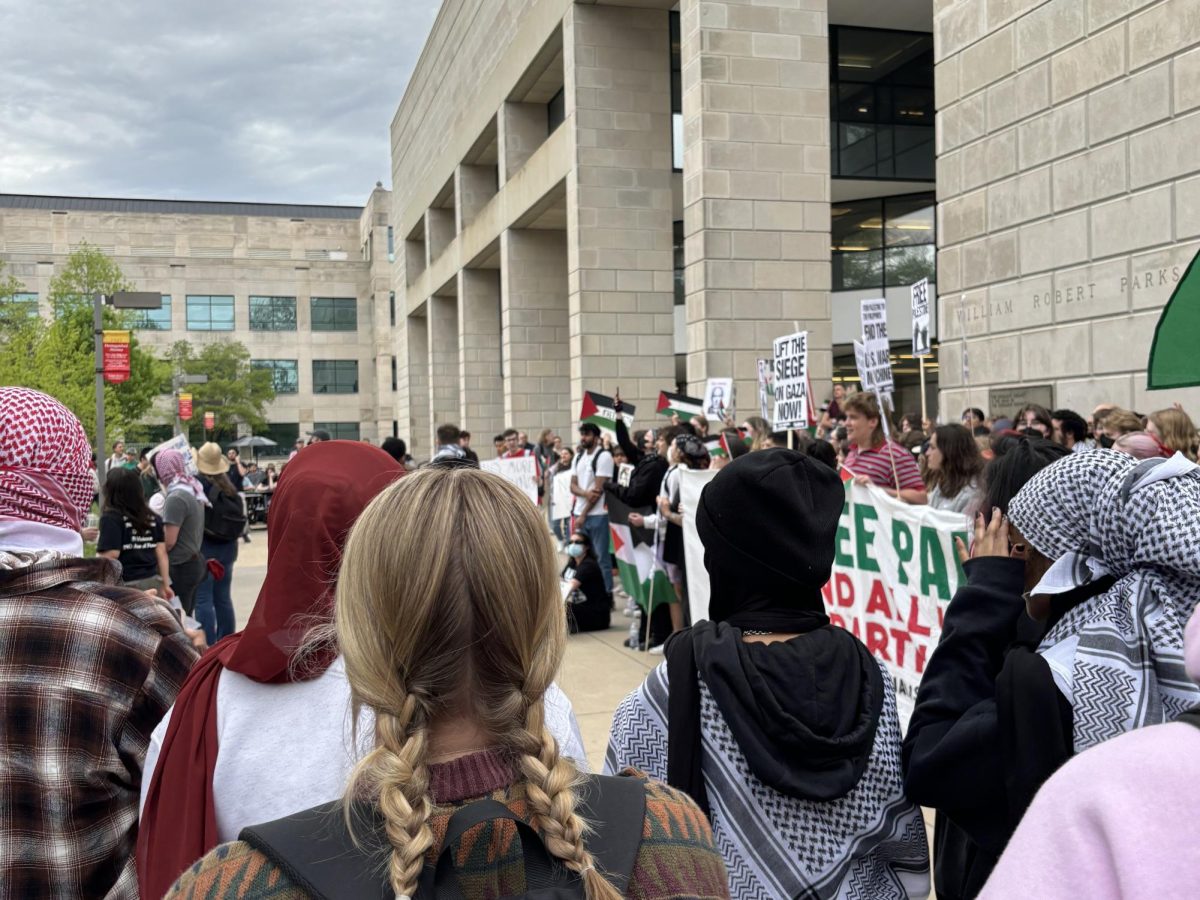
x=45 y=461
x=173 y=473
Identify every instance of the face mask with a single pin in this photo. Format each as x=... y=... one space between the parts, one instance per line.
x=575 y=551
x=1106 y=441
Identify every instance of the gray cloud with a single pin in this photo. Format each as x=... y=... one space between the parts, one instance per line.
x=261 y=100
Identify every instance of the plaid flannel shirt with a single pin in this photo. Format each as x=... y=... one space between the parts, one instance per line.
x=87 y=669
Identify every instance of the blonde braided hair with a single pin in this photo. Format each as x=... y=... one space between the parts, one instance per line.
x=449 y=623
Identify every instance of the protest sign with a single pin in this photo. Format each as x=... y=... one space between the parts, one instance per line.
x=561 y=498
x=180 y=443
x=718 y=398
x=598 y=409
x=876 y=347
x=895 y=570
x=791 y=381
x=687 y=408
x=920 y=318
x=521 y=471
x=691 y=483
x=633 y=546
x=624 y=474
x=766 y=379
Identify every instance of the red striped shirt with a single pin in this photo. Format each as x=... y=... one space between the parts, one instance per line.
x=877 y=466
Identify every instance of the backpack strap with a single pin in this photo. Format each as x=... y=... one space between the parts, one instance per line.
x=317 y=853
x=315 y=850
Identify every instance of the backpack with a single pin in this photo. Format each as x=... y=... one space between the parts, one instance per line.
x=316 y=851
x=225 y=518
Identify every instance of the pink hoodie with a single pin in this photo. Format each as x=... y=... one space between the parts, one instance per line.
x=1121 y=820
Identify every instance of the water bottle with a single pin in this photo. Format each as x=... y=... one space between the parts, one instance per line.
x=635 y=630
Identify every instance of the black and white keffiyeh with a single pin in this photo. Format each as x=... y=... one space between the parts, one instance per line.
x=1118 y=657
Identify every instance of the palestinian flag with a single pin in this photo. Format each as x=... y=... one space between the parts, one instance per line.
x=633 y=547
x=598 y=410
x=716 y=445
x=687 y=408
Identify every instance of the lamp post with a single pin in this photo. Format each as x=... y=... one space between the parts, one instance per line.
x=178 y=380
x=118 y=300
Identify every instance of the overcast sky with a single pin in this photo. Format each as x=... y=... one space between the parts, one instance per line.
x=257 y=100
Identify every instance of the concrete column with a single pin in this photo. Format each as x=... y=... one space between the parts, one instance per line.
x=481 y=410
x=474 y=186
x=439 y=232
x=444 y=376
x=533 y=322
x=756 y=187
x=523 y=127
x=617 y=65
x=415 y=425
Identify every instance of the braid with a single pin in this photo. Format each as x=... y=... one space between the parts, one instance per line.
x=550 y=788
x=396 y=771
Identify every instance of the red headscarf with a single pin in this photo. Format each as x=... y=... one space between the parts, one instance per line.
x=321 y=493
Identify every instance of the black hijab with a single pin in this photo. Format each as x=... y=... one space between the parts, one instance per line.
x=803 y=712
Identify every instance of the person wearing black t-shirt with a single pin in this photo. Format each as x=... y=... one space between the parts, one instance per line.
x=133 y=535
x=588 y=604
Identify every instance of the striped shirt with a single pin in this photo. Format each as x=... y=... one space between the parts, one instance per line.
x=877 y=465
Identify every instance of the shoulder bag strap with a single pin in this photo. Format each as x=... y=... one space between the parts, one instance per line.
x=615 y=807
x=1190 y=716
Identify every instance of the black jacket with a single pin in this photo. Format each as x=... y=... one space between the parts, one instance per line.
x=989 y=726
x=648 y=472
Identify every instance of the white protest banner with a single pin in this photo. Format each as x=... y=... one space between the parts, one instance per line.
x=522 y=472
x=876 y=344
x=561 y=498
x=920 y=318
x=691 y=483
x=180 y=443
x=718 y=398
x=791 y=381
x=895 y=570
x=766 y=379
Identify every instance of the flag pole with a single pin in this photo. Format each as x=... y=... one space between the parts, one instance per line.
x=887 y=437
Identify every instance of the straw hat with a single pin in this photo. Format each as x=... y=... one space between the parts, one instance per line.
x=211 y=461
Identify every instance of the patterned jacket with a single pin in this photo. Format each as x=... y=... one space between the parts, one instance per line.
x=87 y=669
x=676 y=860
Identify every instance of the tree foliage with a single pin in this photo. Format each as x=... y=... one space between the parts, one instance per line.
x=236 y=392
x=12 y=314
x=58 y=357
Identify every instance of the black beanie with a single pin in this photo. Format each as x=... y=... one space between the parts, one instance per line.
x=768 y=522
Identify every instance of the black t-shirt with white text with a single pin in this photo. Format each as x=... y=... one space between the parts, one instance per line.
x=137 y=557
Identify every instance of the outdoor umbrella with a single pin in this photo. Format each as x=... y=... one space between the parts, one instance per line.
x=254 y=441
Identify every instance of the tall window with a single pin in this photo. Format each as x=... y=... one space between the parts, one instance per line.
x=272 y=313
x=209 y=312
x=676 y=95
x=883 y=242
x=394 y=380
x=154 y=319
x=392 y=307
x=282 y=433
x=334 y=314
x=881 y=99
x=284 y=374
x=339 y=431
x=335 y=376
x=391 y=248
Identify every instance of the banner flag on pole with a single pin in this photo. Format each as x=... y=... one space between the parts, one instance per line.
x=633 y=547
x=598 y=409
x=687 y=408
x=1173 y=360
x=116 y=356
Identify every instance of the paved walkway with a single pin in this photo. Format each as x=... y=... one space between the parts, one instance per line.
x=597 y=671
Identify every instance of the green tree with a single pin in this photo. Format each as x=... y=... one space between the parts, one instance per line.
x=58 y=357
x=237 y=393
x=12 y=314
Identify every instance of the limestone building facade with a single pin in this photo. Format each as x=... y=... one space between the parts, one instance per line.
x=305 y=288
x=1068 y=194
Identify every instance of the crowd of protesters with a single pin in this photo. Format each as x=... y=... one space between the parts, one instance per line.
x=392 y=696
